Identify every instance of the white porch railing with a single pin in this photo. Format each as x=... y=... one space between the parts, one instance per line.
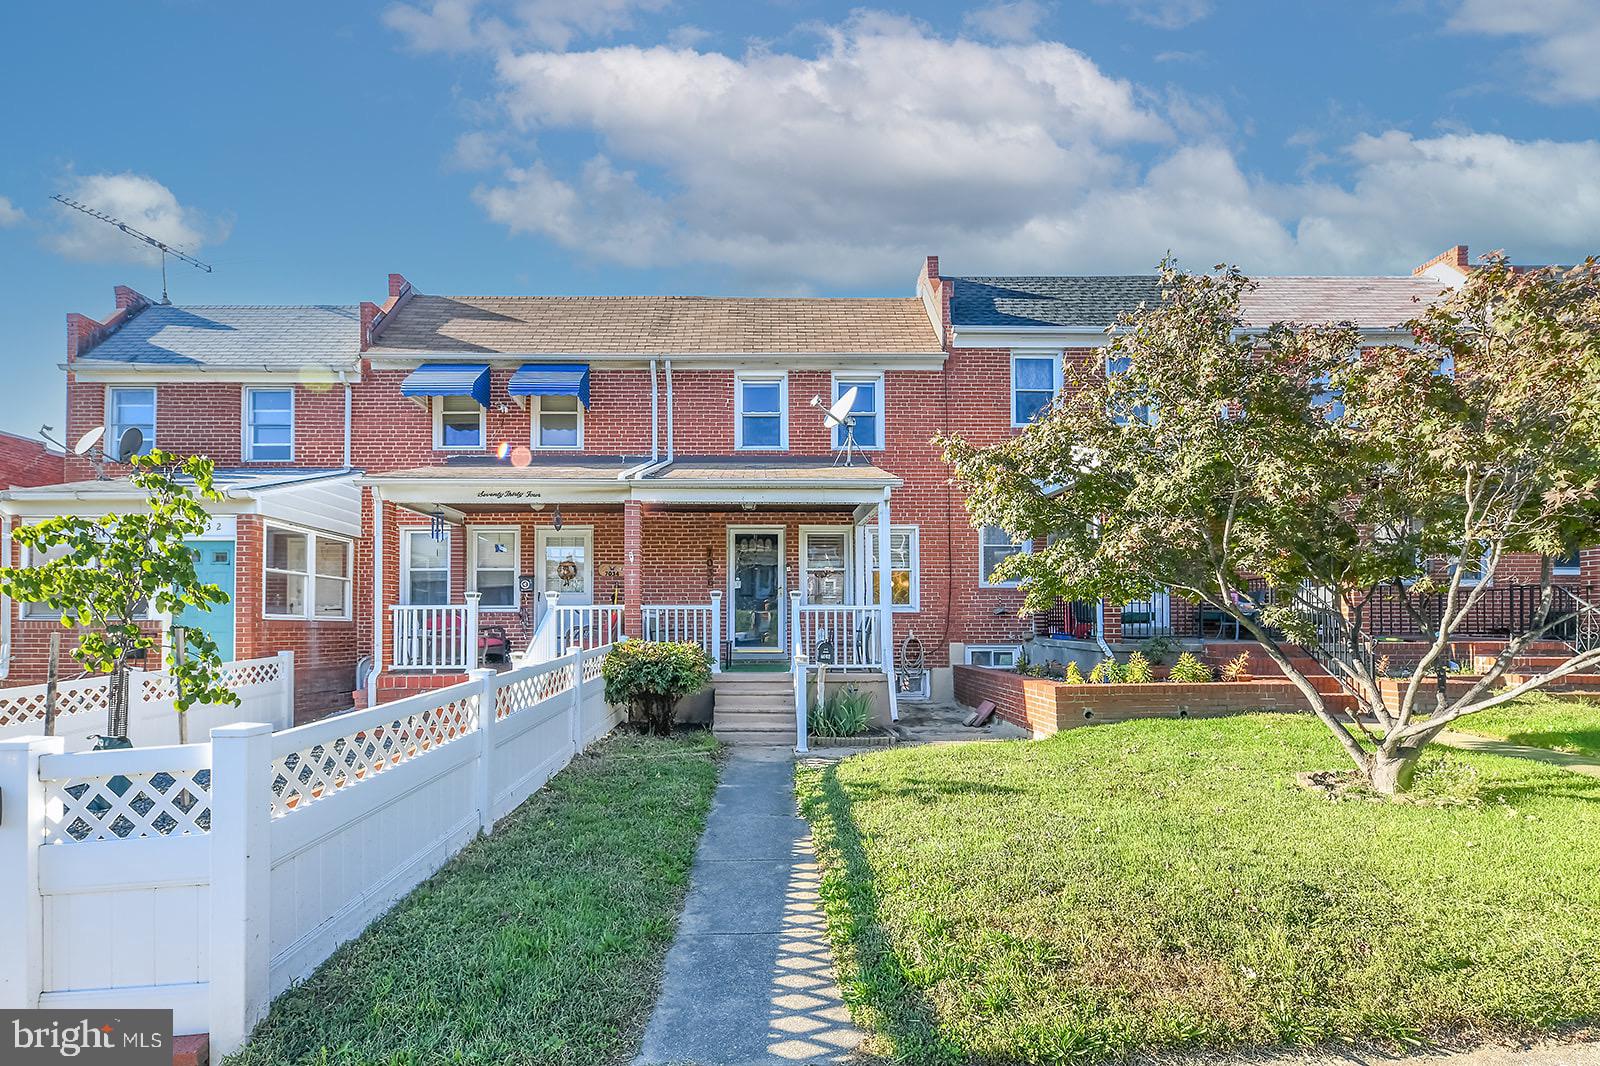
x=851 y=633
x=580 y=627
x=688 y=623
x=435 y=637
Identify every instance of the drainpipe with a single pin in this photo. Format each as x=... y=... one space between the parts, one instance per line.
x=655 y=414
x=670 y=452
x=377 y=597
x=5 y=601
x=345 y=381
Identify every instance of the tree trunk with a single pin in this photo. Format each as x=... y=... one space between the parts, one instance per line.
x=1392 y=772
x=52 y=672
x=117 y=712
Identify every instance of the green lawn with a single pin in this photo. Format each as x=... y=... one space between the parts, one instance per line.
x=543 y=943
x=1541 y=722
x=1156 y=885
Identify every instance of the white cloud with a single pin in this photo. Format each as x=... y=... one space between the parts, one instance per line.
x=141 y=202
x=10 y=214
x=1561 y=41
x=1006 y=20
x=466 y=25
x=841 y=168
x=1164 y=14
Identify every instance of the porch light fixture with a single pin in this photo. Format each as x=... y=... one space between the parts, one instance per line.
x=746 y=505
x=555 y=519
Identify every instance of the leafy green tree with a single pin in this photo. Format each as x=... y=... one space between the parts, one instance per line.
x=1346 y=478
x=114 y=570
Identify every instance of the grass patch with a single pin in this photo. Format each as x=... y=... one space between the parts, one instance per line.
x=543 y=943
x=1160 y=885
x=1541 y=721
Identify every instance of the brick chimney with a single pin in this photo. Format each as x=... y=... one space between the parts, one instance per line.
x=934 y=292
x=130 y=299
x=1450 y=266
x=398 y=285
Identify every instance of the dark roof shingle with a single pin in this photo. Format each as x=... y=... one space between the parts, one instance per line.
x=235 y=338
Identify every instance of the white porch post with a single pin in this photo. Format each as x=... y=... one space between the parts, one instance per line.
x=377 y=596
x=886 y=604
x=471 y=633
x=21 y=835
x=796 y=647
x=716 y=631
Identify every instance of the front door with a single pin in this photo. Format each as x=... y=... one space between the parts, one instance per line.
x=213 y=564
x=755 y=577
x=566 y=564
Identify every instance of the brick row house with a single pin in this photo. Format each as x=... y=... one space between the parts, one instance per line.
x=418 y=484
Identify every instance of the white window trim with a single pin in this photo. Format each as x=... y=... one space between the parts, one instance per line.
x=438 y=429
x=537 y=407
x=109 y=444
x=406 y=533
x=516 y=565
x=1014 y=649
x=312 y=537
x=782 y=380
x=248 y=448
x=869 y=563
x=835 y=437
x=1056 y=357
x=806 y=533
x=983 y=578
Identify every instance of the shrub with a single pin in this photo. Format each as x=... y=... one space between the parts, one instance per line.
x=1137 y=670
x=1157 y=648
x=652 y=676
x=1074 y=676
x=1105 y=672
x=1189 y=670
x=843 y=714
x=1237 y=668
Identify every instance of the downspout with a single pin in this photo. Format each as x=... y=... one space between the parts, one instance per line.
x=345 y=381
x=377 y=597
x=670 y=451
x=5 y=602
x=655 y=413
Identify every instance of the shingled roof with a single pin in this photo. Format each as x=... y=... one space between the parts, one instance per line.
x=1096 y=301
x=654 y=325
x=235 y=338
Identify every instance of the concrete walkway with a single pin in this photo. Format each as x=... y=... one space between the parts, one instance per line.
x=750 y=976
x=1578 y=764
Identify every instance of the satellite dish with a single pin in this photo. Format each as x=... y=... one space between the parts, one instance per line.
x=88 y=440
x=129 y=443
x=840 y=411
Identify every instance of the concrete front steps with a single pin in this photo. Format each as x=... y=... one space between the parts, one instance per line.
x=753 y=708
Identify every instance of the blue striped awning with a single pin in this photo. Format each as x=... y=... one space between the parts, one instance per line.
x=552 y=379
x=449 y=379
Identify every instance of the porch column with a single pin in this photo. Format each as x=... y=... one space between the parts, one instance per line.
x=886 y=603
x=632 y=579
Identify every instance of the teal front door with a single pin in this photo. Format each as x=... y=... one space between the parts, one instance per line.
x=213 y=562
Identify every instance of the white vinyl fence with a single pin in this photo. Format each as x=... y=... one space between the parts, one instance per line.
x=265 y=688
x=209 y=877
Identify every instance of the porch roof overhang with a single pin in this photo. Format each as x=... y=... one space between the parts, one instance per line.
x=729 y=480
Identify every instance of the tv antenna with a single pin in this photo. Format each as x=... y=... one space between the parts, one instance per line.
x=839 y=415
x=138 y=235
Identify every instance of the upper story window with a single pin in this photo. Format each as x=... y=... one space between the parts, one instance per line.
x=867 y=410
x=457 y=422
x=994 y=546
x=130 y=408
x=1568 y=565
x=1035 y=380
x=762 y=411
x=307 y=575
x=557 y=422
x=268 y=425
x=424 y=567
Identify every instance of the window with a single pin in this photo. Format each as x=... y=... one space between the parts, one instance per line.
x=557 y=422
x=1568 y=565
x=868 y=410
x=825 y=561
x=1476 y=570
x=995 y=545
x=762 y=401
x=495 y=561
x=130 y=409
x=1035 y=380
x=424 y=567
x=307 y=575
x=37 y=557
x=1144 y=413
x=457 y=422
x=268 y=425
x=904 y=566
x=998 y=656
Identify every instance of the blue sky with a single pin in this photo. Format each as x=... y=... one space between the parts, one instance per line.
x=607 y=146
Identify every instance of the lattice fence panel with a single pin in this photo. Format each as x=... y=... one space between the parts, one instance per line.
x=304 y=776
x=20 y=705
x=251 y=674
x=161 y=803
x=157 y=687
x=522 y=694
x=592 y=667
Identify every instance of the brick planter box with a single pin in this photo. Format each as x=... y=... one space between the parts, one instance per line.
x=1390 y=688
x=1043 y=706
